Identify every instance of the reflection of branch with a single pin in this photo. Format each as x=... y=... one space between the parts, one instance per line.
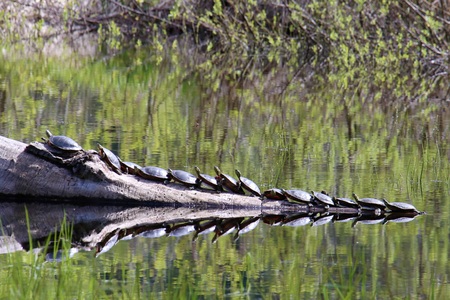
x=420 y=13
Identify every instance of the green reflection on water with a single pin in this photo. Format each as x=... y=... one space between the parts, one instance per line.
x=327 y=132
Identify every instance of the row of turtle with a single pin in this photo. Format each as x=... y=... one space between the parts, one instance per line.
x=224 y=182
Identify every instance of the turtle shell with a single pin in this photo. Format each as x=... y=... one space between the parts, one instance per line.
x=62 y=142
x=345 y=202
x=274 y=194
x=370 y=203
x=152 y=173
x=183 y=177
x=128 y=167
x=322 y=198
x=298 y=196
x=248 y=184
x=228 y=182
x=297 y=220
x=181 y=229
x=248 y=225
x=207 y=180
x=322 y=220
x=110 y=158
x=400 y=206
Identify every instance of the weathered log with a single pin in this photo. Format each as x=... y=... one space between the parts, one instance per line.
x=91 y=224
x=86 y=178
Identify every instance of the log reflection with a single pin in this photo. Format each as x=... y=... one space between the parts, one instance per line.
x=99 y=229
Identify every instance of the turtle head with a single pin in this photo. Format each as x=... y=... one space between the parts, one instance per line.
x=355 y=196
x=197 y=169
x=100 y=150
x=218 y=172
x=49 y=134
x=238 y=173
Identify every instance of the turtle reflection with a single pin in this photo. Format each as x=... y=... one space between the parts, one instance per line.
x=219 y=228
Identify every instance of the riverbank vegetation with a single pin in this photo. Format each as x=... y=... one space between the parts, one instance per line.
x=406 y=34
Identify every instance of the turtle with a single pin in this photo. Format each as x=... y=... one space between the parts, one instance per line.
x=110 y=158
x=226 y=227
x=345 y=202
x=370 y=203
x=228 y=182
x=369 y=219
x=400 y=217
x=107 y=244
x=298 y=196
x=183 y=177
x=273 y=220
x=248 y=225
x=248 y=184
x=296 y=220
x=208 y=180
x=323 y=199
x=322 y=220
x=345 y=217
x=274 y=194
x=62 y=142
x=181 y=229
x=153 y=173
x=401 y=207
x=205 y=227
x=128 y=167
x=153 y=233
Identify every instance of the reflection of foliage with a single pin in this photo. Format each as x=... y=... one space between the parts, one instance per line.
x=335 y=95
x=169 y=266
x=373 y=34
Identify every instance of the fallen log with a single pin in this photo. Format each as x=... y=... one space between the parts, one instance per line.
x=90 y=224
x=40 y=172
x=26 y=173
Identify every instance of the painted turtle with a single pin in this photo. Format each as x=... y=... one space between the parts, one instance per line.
x=152 y=173
x=207 y=180
x=248 y=184
x=110 y=158
x=248 y=225
x=370 y=203
x=62 y=142
x=274 y=194
x=322 y=199
x=298 y=196
x=127 y=167
x=401 y=207
x=153 y=233
x=322 y=220
x=228 y=182
x=183 y=177
x=345 y=202
x=181 y=229
x=297 y=220
x=371 y=219
x=400 y=217
x=226 y=227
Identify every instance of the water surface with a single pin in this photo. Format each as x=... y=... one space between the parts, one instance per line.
x=313 y=134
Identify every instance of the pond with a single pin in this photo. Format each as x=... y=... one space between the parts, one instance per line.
x=313 y=130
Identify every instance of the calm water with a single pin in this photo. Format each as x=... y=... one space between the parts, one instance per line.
x=316 y=134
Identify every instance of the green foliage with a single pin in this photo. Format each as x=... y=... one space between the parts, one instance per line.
x=329 y=95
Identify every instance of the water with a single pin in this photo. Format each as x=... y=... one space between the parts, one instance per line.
x=313 y=136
